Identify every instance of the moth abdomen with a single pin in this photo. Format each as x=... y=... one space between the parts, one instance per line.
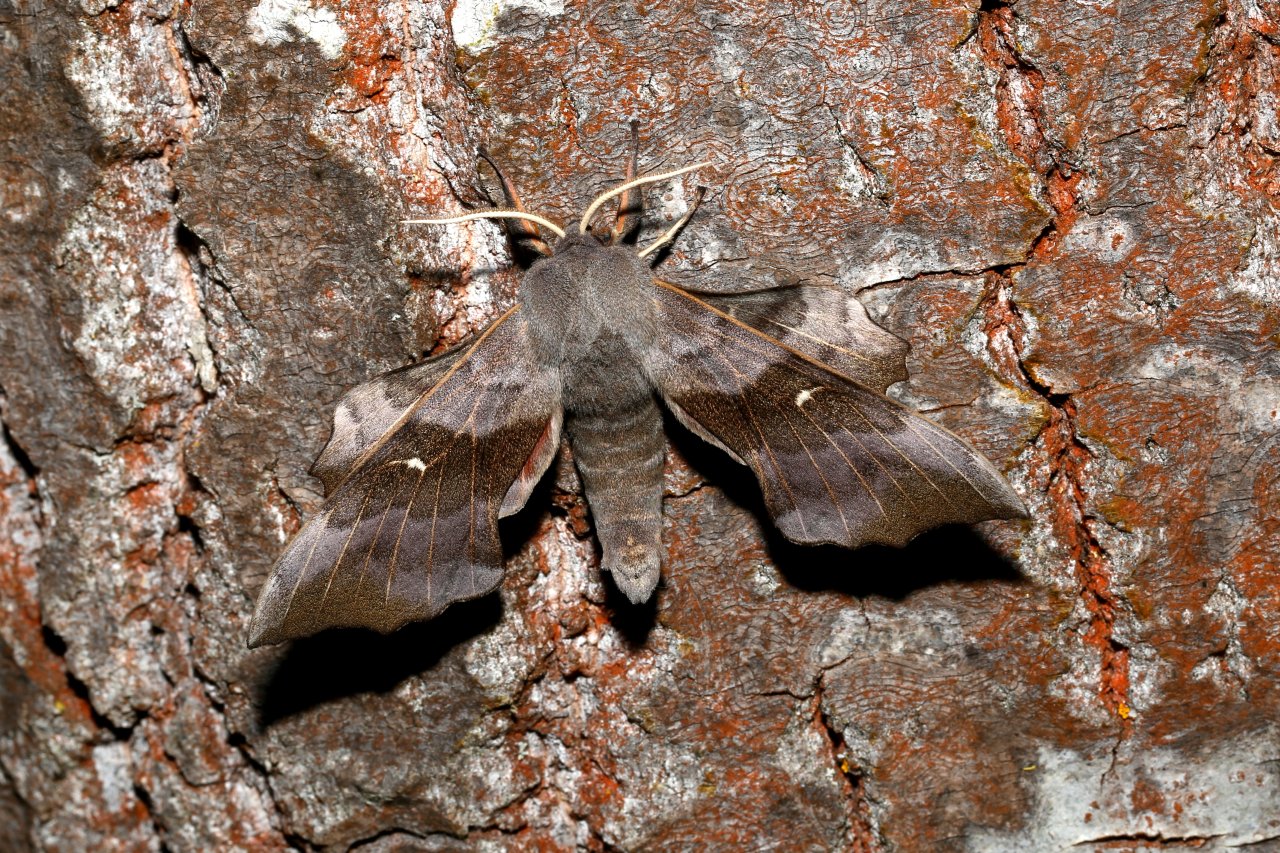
x=619 y=455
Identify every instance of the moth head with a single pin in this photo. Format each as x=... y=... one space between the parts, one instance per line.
x=584 y=225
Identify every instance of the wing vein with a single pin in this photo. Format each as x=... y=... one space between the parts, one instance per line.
x=849 y=464
x=751 y=330
x=950 y=464
x=410 y=409
x=905 y=457
x=343 y=553
x=826 y=343
x=395 y=550
x=471 y=529
x=373 y=542
x=431 y=543
x=302 y=573
x=764 y=440
x=814 y=462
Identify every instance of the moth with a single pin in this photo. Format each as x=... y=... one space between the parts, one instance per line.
x=423 y=461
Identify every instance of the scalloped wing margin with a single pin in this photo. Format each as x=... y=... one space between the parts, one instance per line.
x=421 y=462
x=837 y=461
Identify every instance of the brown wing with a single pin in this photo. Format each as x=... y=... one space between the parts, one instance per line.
x=824 y=323
x=367 y=411
x=837 y=461
x=416 y=472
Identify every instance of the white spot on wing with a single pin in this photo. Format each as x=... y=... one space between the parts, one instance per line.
x=343 y=419
x=415 y=463
x=806 y=395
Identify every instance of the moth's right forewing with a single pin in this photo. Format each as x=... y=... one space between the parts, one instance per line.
x=412 y=527
x=823 y=322
x=837 y=461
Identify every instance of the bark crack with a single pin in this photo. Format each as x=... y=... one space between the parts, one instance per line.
x=1152 y=839
x=204 y=355
x=1068 y=459
x=19 y=454
x=861 y=833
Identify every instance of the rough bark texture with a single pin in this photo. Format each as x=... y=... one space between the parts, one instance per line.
x=1069 y=209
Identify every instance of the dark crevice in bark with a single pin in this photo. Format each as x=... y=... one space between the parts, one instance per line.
x=873 y=177
x=1068 y=461
x=1148 y=840
x=297 y=842
x=205 y=82
x=293 y=505
x=195 y=255
x=186 y=509
x=53 y=642
x=197 y=57
x=199 y=256
x=80 y=690
x=861 y=835
x=397 y=831
x=597 y=842
x=144 y=797
x=16 y=450
x=1212 y=27
x=1020 y=114
x=57 y=647
x=235 y=740
x=930 y=275
x=189 y=526
x=240 y=743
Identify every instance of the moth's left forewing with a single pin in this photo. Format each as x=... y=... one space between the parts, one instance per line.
x=412 y=527
x=367 y=411
x=837 y=461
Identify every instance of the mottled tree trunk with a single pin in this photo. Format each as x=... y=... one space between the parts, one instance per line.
x=1069 y=209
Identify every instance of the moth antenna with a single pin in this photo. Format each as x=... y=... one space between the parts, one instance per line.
x=616 y=191
x=628 y=215
x=490 y=214
x=519 y=229
x=671 y=232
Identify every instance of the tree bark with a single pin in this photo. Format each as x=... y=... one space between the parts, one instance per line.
x=1069 y=210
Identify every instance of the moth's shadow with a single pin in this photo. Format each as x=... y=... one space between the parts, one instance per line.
x=953 y=553
x=950 y=554
x=632 y=621
x=346 y=662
